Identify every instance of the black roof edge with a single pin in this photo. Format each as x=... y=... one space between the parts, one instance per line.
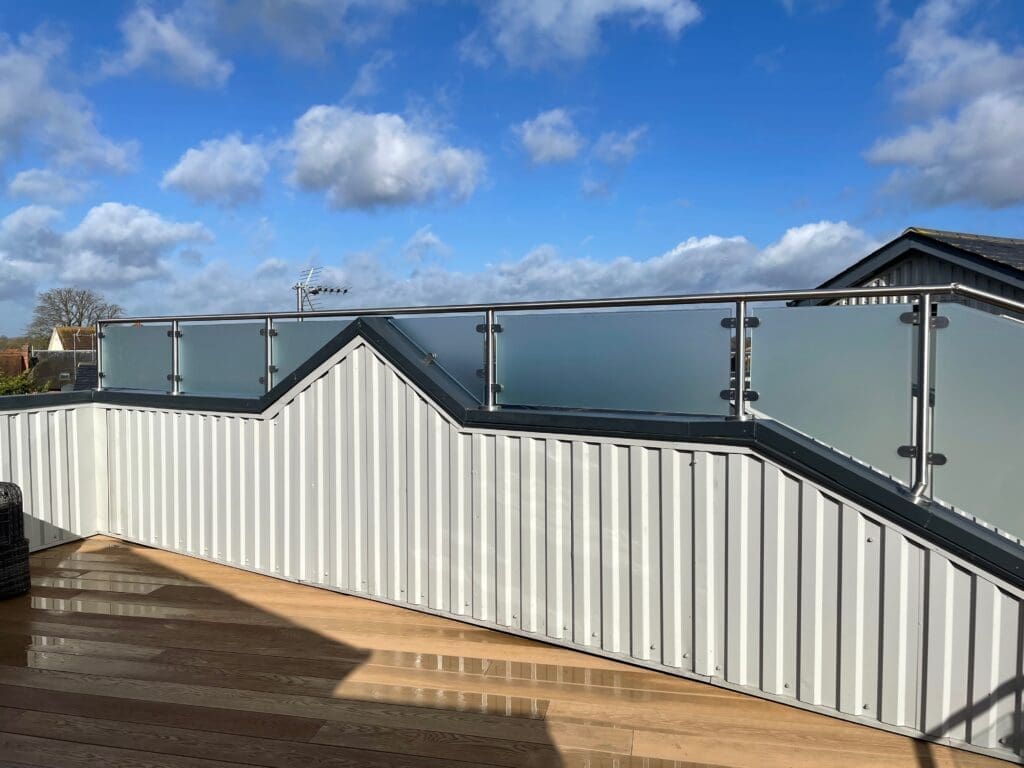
x=795 y=452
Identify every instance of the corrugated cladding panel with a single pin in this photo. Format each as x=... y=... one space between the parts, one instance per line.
x=53 y=455
x=696 y=560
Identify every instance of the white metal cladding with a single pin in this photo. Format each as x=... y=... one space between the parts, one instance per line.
x=701 y=561
x=51 y=453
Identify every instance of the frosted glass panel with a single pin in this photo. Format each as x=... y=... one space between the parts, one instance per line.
x=136 y=357
x=670 y=361
x=225 y=359
x=455 y=341
x=296 y=342
x=840 y=375
x=979 y=367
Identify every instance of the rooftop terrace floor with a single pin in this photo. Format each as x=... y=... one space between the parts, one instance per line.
x=128 y=656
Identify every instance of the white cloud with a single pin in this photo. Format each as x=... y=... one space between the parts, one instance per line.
x=550 y=137
x=36 y=115
x=305 y=29
x=225 y=171
x=803 y=257
x=367 y=80
x=45 y=186
x=422 y=244
x=538 y=32
x=175 y=42
x=968 y=95
x=366 y=161
x=113 y=245
x=619 y=148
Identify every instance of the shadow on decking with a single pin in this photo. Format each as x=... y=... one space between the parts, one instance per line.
x=100 y=665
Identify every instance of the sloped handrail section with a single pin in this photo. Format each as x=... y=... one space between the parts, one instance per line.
x=756 y=542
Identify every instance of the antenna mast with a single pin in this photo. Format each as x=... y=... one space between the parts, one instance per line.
x=309 y=287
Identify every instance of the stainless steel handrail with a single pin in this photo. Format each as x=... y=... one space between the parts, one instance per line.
x=615 y=303
x=925 y=295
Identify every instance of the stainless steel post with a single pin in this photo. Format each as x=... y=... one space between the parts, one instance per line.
x=490 y=368
x=175 y=375
x=923 y=415
x=739 y=411
x=99 y=356
x=268 y=353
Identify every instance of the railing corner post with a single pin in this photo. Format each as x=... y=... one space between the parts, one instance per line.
x=922 y=415
x=490 y=364
x=739 y=408
x=175 y=357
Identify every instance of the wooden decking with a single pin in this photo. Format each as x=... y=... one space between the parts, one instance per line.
x=125 y=656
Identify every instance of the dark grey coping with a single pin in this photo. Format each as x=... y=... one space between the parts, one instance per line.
x=888 y=499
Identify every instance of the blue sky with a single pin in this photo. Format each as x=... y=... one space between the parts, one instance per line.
x=186 y=156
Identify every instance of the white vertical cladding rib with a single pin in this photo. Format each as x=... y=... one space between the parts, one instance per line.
x=996 y=673
x=559 y=502
x=860 y=606
x=819 y=593
x=645 y=567
x=376 y=476
x=394 y=461
x=586 y=543
x=706 y=561
x=461 y=526
x=950 y=593
x=677 y=558
x=709 y=562
x=614 y=551
x=533 y=530
x=507 y=530
x=417 y=500
x=743 y=579
x=439 y=510
x=483 y=571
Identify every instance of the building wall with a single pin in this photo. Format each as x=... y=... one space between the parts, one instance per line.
x=922 y=269
x=707 y=562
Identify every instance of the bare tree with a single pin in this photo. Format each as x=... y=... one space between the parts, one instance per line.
x=68 y=306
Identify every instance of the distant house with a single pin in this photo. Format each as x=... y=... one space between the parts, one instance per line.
x=930 y=256
x=13 y=362
x=72 y=338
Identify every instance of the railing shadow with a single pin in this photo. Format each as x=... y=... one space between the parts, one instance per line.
x=968 y=714
x=120 y=648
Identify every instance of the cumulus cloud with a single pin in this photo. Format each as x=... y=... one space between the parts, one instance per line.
x=537 y=32
x=174 y=42
x=225 y=171
x=306 y=29
x=45 y=186
x=550 y=137
x=39 y=116
x=113 y=245
x=803 y=257
x=617 y=148
x=367 y=81
x=422 y=244
x=364 y=160
x=969 y=91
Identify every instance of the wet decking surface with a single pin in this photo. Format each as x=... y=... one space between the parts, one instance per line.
x=126 y=656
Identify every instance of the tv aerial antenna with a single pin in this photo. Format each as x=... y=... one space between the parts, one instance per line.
x=309 y=288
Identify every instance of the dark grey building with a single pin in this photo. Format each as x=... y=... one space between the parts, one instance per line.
x=930 y=256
